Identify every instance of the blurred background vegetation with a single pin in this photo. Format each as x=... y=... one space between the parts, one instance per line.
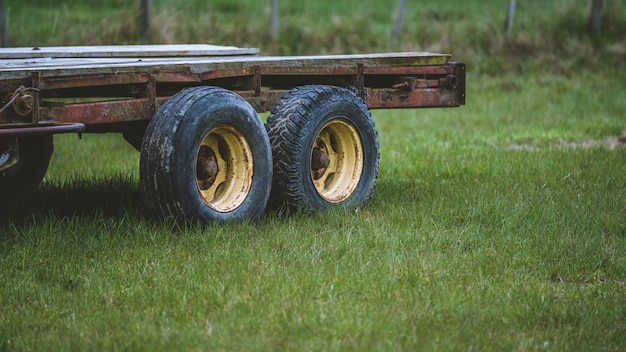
x=545 y=35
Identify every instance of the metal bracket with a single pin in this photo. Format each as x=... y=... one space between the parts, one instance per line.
x=36 y=84
x=256 y=71
x=360 y=80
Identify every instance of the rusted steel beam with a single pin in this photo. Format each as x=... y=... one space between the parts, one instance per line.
x=111 y=79
x=103 y=112
x=91 y=80
x=414 y=87
x=386 y=98
x=409 y=70
x=311 y=71
x=378 y=98
x=109 y=112
x=142 y=109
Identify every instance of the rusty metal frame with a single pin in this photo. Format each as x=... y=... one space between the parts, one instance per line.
x=134 y=96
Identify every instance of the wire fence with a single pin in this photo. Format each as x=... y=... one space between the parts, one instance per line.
x=393 y=14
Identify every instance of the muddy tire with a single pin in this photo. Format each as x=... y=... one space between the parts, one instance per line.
x=35 y=153
x=325 y=149
x=205 y=157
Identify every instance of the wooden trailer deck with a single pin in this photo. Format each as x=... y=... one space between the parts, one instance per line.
x=198 y=59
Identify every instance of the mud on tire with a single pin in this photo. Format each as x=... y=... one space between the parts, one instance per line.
x=324 y=149
x=206 y=157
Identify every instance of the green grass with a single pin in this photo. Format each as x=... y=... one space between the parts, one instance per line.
x=469 y=242
x=500 y=225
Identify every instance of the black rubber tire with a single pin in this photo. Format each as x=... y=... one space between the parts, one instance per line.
x=176 y=137
x=294 y=128
x=35 y=153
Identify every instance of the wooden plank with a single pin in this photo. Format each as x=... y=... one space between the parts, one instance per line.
x=50 y=67
x=126 y=51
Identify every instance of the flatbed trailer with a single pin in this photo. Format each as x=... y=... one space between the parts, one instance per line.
x=192 y=112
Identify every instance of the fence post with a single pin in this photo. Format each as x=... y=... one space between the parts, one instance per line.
x=398 y=23
x=510 y=13
x=274 y=19
x=144 y=20
x=3 y=26
x=595 y=16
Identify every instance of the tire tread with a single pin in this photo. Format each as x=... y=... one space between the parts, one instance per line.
x=286 y=125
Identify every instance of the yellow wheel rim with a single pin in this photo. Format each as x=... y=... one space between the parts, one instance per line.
x=224 y=168
x=336 y=161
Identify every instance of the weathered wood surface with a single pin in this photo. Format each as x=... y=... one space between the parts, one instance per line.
x=136 y=51
x=195 y=64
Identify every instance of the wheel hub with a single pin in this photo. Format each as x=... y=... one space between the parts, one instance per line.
x=319 y=159
x=336 y=161
x=206 y=167
x=224 y=168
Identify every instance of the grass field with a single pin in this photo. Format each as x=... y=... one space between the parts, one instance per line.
x=500 y=225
